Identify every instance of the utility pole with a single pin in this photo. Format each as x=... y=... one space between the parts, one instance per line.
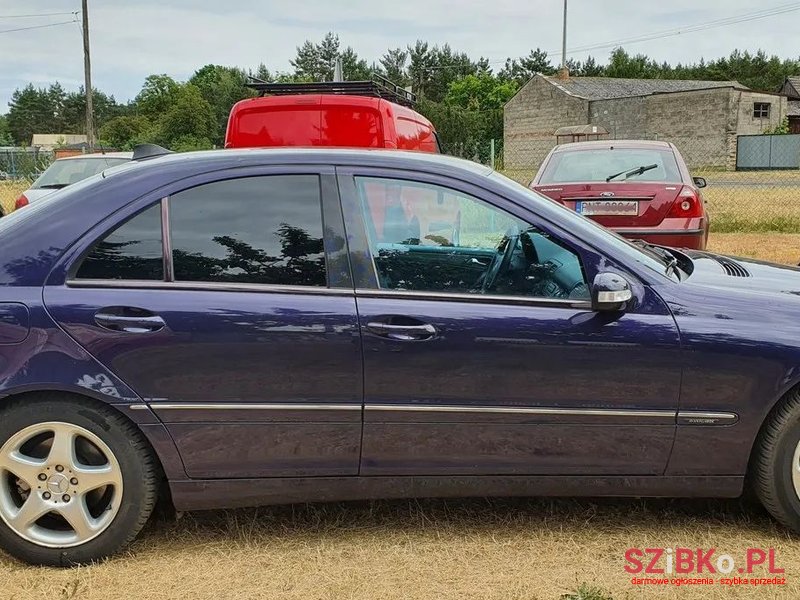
x=563 y=39
x=87 y=74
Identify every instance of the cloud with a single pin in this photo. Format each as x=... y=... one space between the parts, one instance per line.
x=131 y=40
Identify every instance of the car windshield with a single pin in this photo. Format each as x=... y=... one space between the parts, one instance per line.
x=601 y=163
x=68 y=171
x=579 y=224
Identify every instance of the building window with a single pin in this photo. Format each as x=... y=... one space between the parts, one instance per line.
x=761 y=110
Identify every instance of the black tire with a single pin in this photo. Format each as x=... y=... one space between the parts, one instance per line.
x=772 y=465
x=140 y=475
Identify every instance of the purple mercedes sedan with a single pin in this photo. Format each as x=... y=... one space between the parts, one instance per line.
x=238 y=328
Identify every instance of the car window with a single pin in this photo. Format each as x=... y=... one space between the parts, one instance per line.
x=429 y=238
x=265 y=230
x=73 y=170
x=596 y=165
x=133 y=251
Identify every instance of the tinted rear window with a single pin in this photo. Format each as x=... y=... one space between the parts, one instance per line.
x=133 y=251
x=597 y=165
x=265 y=230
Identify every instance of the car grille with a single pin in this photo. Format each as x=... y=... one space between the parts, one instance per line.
x=733 y=268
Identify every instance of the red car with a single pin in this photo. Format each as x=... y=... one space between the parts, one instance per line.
x=639 y=189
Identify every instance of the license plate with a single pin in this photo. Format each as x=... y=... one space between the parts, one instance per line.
x=607 y=207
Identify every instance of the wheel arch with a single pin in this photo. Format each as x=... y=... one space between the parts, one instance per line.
x=158 y=440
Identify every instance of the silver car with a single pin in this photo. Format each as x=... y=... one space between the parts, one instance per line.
x=69 y=170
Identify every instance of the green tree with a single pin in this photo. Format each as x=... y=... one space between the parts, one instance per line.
x=188 y=123
x=5 y=134
x=315 y=62
x=393 y=66
x=30 y=111
x=523 y=69
x=221 y=87
x=159 y=92
x=74 y=110
x=480 y=92
x=124 y=132
x=622 y=64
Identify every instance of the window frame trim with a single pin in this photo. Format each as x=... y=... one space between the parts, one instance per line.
x=758 y=110
x=357 y=230
x=161 y=197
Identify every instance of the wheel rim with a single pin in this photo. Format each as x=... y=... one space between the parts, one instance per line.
x=60 y=485
x=796 y=470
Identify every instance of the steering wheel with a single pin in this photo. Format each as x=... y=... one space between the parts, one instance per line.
x=500 y=261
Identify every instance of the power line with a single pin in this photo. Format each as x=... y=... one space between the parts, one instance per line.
x=762 y=14
x=36 y=27
x=51 y=14
x=744 y=18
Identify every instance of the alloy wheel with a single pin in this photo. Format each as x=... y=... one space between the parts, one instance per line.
x=60 y=485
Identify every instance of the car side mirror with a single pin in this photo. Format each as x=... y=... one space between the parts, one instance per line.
x=700 y=182
x=610 y=292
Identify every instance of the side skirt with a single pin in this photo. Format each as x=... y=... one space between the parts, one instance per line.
x=238 y=493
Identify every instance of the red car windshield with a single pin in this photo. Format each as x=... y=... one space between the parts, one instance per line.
x=601 y=163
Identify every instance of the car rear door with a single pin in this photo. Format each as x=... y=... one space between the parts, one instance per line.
x=521 y=379
x=227 y=305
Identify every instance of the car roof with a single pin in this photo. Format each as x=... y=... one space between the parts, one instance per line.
x=99 y=155
x=594 y=145
x=363 y=157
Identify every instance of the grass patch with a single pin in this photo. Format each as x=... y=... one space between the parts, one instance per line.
x=9 y=192
x=587 y=592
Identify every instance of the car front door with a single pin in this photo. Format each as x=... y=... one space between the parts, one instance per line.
x=482 y=353
x=228 y=307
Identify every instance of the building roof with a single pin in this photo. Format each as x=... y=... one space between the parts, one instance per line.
x=794 y=82
x=793 y=108
x=607 y=88
x=51 y=140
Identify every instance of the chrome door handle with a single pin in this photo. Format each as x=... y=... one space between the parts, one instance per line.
x=129 y=324
x=403 y=333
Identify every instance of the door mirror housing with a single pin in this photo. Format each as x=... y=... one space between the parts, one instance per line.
x=610 y=292
x=700 y=182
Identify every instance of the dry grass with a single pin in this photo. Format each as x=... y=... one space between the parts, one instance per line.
x=772 y=247
x=503 y=549
x=481 y=549
x=9 y=192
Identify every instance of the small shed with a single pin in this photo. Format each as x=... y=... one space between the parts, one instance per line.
x=580 y=133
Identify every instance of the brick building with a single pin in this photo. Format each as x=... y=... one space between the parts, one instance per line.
x=703 y=118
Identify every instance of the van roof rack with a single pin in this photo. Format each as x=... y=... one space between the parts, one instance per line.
x=378 y=87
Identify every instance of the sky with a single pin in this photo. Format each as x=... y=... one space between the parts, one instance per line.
x=131 y=39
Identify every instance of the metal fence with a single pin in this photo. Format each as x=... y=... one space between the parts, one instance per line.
x=767 y=152
x=19 y=167
x=762 y=196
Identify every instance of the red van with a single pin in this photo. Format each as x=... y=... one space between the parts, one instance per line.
x=356 y=114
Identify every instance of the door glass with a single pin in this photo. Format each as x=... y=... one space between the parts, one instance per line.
x=265 y=230
x=429 y=238
x=133 y=251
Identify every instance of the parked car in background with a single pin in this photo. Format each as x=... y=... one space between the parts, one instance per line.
x=229 y=328
x=639 y=189
x=69 y=170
